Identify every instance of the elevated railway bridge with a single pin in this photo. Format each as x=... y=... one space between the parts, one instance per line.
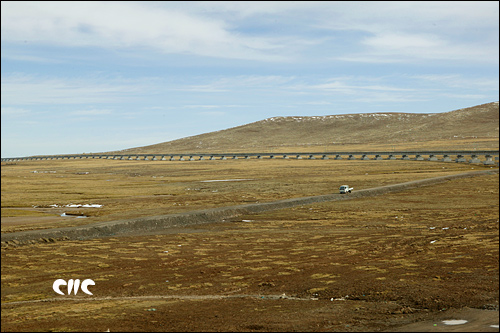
x=487 y=157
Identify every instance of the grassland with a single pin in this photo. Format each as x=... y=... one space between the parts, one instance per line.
x=360 y=265
x=129 y=189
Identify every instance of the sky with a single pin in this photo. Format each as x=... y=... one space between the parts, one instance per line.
x=96 y=76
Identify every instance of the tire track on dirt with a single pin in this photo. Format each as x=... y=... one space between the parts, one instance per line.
x=154 y=297
x=157 y=223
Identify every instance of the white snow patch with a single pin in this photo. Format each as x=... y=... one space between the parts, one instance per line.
x=77 y=206
x=455 y=322
x=84 y=206
x=223 y=180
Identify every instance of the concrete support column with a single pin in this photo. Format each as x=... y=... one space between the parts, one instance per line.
x=324 y=157
x=460 y=158
x=235 y=157
x=311 y=157
x=432 y=158
x=391 y=157
x=285 y=156
x=202 y=158
x=378 y=157
x=489 y=160
x=446 y=158
x=338 y=157
x=223 y=158
x=172 y=158
x=299 y=157
x=212 y=158
x=405 y=157
x=364 y=157
x=474 y=159
x=352 y=157
x=419 y=157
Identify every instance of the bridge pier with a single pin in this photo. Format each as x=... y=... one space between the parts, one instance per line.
x=391 y=157
x=172 y=158
x=285 y=157
x=351 y=157
x=298 y=157
x=324 y=157
x=365 y=157
x=489 y=160
x=223 y=158
x=418 y=157
x=460 y=158
x=446 y=158
x=311 y=157
x=338 y=157
x=405 y=157
x=432 y=157
x=378 y=157
x=474 y=159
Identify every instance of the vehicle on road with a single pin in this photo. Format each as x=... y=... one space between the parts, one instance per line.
x=345 y=189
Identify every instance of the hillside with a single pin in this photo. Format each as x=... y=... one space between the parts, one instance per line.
x=473 y=127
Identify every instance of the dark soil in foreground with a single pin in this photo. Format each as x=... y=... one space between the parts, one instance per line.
x=403 y=262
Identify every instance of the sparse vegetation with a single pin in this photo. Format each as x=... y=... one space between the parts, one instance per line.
x=369 y=264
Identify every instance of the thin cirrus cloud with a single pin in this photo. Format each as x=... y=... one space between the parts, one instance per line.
x=91 y=112
x=102 y=24
x=30 y=89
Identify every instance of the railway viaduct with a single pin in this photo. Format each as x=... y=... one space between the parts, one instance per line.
x=487 y=157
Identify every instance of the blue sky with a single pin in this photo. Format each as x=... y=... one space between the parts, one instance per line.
x=97 y=76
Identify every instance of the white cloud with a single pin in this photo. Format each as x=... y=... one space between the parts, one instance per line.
x=14 y=112
x=212 y=113
x=129 y=25
x=225 y=84
x=458 y=81
x=91 y=112
x=20 y=89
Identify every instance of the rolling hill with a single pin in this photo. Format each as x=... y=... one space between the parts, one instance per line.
x=474 y=127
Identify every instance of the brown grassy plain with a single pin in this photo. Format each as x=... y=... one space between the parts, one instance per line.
x=359 y=265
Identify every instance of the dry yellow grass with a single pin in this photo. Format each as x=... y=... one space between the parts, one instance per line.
x=129 y=189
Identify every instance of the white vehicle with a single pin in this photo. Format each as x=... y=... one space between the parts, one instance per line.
x=345 y=189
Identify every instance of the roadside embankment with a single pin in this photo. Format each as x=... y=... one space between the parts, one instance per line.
x=157 y=223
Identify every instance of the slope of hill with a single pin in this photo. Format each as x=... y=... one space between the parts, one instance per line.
x=474 y=123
